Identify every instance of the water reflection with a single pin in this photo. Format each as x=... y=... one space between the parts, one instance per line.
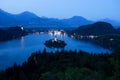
x=20 y=49
x=22 y=42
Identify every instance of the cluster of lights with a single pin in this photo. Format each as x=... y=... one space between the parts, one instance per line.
x=92 y=36
x=81 y=36
x=57 y=32
x=22 y=28
x=111 y=39
x=72 y=36
x=38 y=32
x=54 y=32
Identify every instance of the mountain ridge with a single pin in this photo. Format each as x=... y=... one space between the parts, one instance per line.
x=29 y=19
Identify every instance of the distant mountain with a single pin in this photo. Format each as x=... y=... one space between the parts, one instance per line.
x=29 y=19
x=115 y=23
x=98 y=28
x=25 y=16
x=6 y=19
x=76 y=21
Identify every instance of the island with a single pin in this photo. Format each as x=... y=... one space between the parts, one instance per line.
x=55 y=43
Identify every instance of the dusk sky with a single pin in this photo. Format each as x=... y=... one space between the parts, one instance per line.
x=90 y=9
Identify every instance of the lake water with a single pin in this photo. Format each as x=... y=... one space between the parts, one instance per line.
x=19 y=50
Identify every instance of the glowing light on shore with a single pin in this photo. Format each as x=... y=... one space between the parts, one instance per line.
x=22 y=28
x=81 y=37
x=72 y=36
x=57 y=33
x=41 y=32
x=111 y=39
x=92 y=36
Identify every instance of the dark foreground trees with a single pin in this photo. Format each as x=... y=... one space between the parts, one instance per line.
x=66 y=65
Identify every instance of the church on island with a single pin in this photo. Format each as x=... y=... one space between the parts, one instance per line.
x=55 y=43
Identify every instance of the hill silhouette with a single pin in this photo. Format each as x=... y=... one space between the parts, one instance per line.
x=11 y=33
x=98 y=28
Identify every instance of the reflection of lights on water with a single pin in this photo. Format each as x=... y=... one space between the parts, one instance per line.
x=50 y=32
x=65 y=34
x=61 y=36
x=22 y=41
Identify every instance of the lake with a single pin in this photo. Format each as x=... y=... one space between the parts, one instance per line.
x=19 y=50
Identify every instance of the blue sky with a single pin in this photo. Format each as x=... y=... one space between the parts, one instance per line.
x=90 y=9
